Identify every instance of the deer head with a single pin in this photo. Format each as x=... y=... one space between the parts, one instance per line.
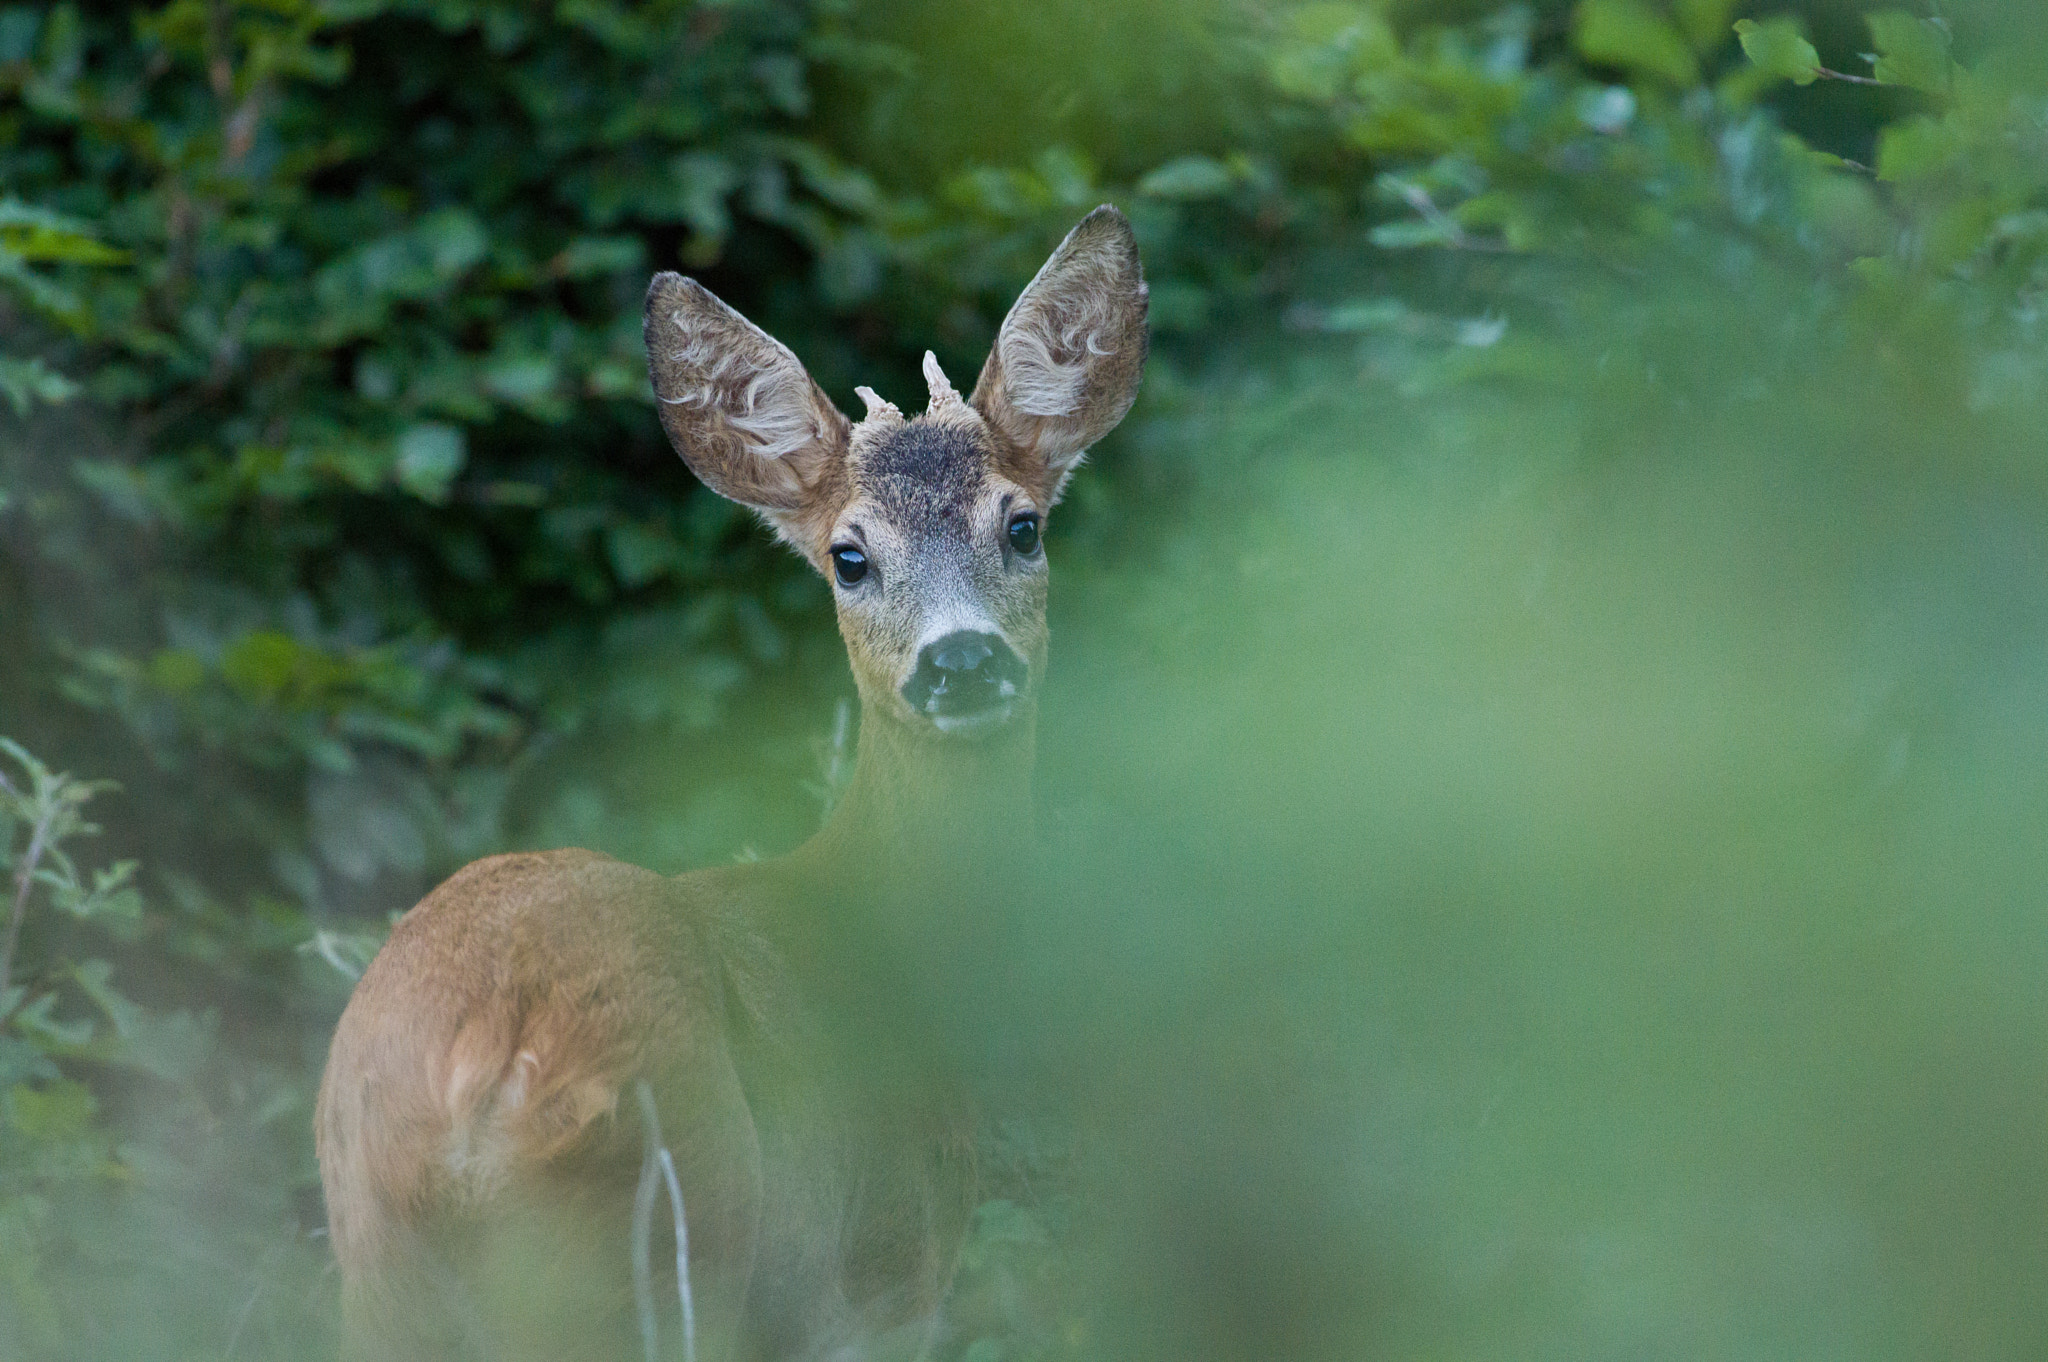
x=928 y=527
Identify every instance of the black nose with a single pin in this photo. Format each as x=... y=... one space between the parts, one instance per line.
x=965 y=673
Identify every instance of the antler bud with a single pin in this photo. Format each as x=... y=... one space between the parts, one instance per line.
x=945 y=396
x=878 y=410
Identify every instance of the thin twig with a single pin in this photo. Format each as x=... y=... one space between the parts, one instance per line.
x=24 y=879
x=1418 y=198
x=242 y=1321
x=656 y=1165
x=675 y=1204
x=643 y=1228
x=832 y=760
x=1461 y=240
x=1826 y=74
x=327 y=946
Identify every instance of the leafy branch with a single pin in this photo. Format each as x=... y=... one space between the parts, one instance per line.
x=30 y=235
x=49 y=804
x=1912 y=53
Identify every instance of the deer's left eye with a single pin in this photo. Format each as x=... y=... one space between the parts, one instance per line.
x=849 y=565
x=1024 y=534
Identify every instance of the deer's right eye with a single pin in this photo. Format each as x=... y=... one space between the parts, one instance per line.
x=849 y=565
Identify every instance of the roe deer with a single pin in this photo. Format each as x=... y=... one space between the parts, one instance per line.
x=477 y=1123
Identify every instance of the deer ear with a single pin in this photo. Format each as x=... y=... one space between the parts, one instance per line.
x=1066 y=363
x=738 y=406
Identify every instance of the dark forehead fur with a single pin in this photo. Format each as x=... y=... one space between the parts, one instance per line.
x=926 y=471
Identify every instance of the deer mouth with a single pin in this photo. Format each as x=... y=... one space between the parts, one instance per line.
x=970 y=704
x=976 y=721
x=967 y=682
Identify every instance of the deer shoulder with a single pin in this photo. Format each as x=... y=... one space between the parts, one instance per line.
x=456 y=1067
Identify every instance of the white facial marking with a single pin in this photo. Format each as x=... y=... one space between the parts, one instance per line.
x=974 y=723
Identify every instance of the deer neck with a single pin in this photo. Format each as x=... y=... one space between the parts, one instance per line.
x=919 y=807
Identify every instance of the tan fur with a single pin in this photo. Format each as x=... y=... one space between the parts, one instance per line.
x=478 y=1140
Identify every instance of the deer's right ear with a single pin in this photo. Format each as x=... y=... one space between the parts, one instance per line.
x=738 y=406
x=1066 y=362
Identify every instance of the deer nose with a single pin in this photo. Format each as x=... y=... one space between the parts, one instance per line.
x=966 y=673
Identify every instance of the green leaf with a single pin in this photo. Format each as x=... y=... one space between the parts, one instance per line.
x=180 y=671
x=43 y=294
x=1178 y=306
x=430 y=455
x=25 y=382
x=1364 y=314
x=1188 y=177
x=1912 y=51
x=1795 y=150
x=639 y=554
x=1332 y=45
x=56 y=1111
x=454 y=240
x=1606 y=108
x=36 y=1021
x=610 y=23
x=1411 y=233
x=33 y=233
x=171 y=1047
x=1069 y=174
x=22 y=1062
x=1705 y=22
x=18 y=25
x=110 y=894
x=1778 y=47
x=418 y=263
x=1335 y=22
x=999 y=193
x=1958 y=230
x=1628 y=34
x=95 y=979
x=261 y=664
x=1919 y=148
x=592 y=255
x=1846 y=210
x=850 y=269
x=520 y=377
x=842 y=185
x=702 y=182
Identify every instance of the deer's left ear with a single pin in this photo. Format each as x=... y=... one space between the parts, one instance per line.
x=741 y=410
x=1066 y=363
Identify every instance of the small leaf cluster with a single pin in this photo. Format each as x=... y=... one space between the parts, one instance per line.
x=31 y=236
x=64 y=1023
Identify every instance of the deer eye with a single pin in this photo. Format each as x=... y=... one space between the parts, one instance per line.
x=1024 y=534
x=849 y=565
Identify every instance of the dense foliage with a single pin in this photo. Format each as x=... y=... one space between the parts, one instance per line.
x=338 y=527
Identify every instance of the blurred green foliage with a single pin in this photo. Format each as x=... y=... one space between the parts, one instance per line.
x=337 y=527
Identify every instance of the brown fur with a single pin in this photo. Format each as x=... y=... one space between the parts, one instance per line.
x=477 y=1135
